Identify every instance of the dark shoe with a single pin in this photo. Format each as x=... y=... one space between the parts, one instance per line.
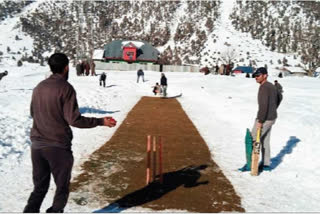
x=264 y=168
x=245 y=168
x=51 y=210
x=28 y=209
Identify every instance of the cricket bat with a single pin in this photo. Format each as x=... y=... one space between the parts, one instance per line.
x=256 y=155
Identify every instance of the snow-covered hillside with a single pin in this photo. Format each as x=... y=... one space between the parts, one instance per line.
x=290 y=27
x=169 y=26
x=221 y=107
x=226 y=44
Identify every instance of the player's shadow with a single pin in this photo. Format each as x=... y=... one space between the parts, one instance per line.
x=84 y=110
x=287 y=149
x=109 y=86
x=22 y=89
x=176 y=96
x=187 y=177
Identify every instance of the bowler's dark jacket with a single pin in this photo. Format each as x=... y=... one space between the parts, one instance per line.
x=54 y=107
x=267 y=101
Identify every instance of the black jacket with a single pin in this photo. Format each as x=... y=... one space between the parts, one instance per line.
x=103 y=77
x=163 y=80
x=140 y=72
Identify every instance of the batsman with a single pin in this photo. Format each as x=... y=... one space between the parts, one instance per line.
x=266 y=117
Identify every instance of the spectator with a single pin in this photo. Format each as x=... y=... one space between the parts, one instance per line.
x=78 y=68
x=140 y=73
x=228 y=69
x=82 y=68
x=87 y=68
x=221 y=69
x=156 y=89
x=103 y=79
x=93 y=68
x=278 y=86
x=164 y=84
x=54 y=108
x=205 y=70
x=217 y=69
x=279 y=90
x=3 y=74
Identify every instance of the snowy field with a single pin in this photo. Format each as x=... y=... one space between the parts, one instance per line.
x=221 y=107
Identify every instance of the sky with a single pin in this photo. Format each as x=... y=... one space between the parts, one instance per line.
x=221 y=107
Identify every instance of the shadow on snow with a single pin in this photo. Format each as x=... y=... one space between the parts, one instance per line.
x=287 y=149
x=84 y=110
x=109 y=86
x=187 y=177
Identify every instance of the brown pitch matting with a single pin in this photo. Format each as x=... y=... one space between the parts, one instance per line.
x=115 y=174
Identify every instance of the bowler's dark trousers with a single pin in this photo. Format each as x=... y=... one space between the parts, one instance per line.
x=45 y=161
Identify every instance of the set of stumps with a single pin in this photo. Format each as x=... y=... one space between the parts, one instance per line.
x=154 y=158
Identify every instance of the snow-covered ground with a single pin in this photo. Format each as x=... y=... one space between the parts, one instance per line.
x=221 y=107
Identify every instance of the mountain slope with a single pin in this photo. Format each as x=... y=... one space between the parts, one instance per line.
x=170 y=26
x=226 y=44
x=221 y=107
x=289 y=27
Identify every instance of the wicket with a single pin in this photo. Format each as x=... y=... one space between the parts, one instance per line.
x=153 y=169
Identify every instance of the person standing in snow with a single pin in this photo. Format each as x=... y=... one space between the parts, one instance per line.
x=93 y=68
x=164 y=84
x=228 y=69
x=82 y=68
x=3 y=74
x=221 y=69
x=217 y=69
x=279 y=90
x=278 y=86
x=54 y=108
x=266 y=116
x=140 y=73
x=103 y=79
x=78 y=68
x=87 y=68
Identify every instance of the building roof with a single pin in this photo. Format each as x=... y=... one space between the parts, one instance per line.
x=135 y=43
x=244 y=69
x=145 y=51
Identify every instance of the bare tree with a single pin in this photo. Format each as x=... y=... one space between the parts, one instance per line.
x=229 y=55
